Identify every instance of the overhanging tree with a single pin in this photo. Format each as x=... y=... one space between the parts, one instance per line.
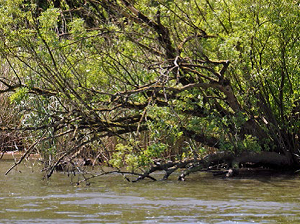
x=210 y=74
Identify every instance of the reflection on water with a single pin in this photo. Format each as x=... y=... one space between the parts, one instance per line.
x=26 y=198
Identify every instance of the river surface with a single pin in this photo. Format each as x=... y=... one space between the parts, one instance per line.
x=26 y=198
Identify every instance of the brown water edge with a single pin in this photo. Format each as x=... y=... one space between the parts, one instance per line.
x=241 y=173
x=26 y=198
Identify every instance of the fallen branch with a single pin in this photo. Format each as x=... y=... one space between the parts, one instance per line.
x=118 y=172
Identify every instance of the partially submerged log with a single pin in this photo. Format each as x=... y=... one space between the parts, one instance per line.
x=233 y=163
x=223 y=163
x=265 y=158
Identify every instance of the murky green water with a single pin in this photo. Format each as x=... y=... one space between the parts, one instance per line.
x=26 y=198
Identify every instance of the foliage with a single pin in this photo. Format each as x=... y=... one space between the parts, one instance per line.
x=170 y=79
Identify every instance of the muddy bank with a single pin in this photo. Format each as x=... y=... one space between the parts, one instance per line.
x=16 y=155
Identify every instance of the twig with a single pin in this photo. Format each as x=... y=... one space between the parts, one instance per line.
x=25 y=154
x=119 y=172
x=33 y=145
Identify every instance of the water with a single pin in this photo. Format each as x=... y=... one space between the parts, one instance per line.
x=26 y=198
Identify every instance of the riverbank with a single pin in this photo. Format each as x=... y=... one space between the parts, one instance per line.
x=16 y=155
x=240 y=173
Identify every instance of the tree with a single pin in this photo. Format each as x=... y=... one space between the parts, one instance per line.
x=195 y=76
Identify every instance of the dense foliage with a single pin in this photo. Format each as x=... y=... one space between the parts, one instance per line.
x=137 y=81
